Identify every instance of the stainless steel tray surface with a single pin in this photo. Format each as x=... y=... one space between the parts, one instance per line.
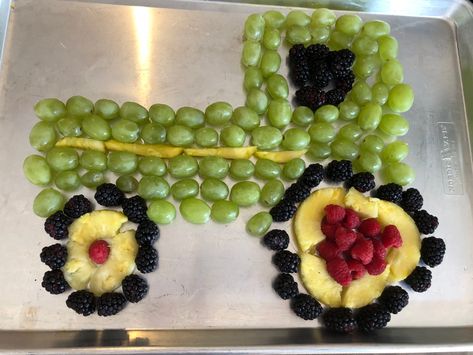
x=217 y=277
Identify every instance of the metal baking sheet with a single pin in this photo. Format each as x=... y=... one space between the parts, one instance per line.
x=212 y=291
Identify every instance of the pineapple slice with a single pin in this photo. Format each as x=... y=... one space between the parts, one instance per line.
x=366 y=207
x=78 y=271
x=280 y=157
x=201 y=152
x=81 y=143
x=155 y=150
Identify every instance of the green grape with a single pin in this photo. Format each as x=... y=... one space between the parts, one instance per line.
x=67 y=180
x=295 y=139
x=195 y=210
x=392 y=72
x=322 y=132
x=350 y=131
x=62 y=158
x=370 y=116
x=69 y=126
x=380 y=92
x=395 y=152
x=277 y=86
x=206 y=137
x=259 y=224
x=127 y=183
x=323 y=17
x=107 y=109
x=372 y=143
x=79 y=106
x=134 y=112
x=271 y=39
x=152 y=166
x=361 y=93
x=92 y=179
x=257 y=101
x=122 y=162
x=232 y=136
x=253 y=79
x=349 y=24
x=326 y=113
x=376 y=29
x=267 y=169
x=254 y=27
x=319 y=34
x=401 y=98
x=124 y=130
x=319 y=151
x=182 y=166
x=270 y=63
x=161 y=212
x=272 y=192
x=213 y=189
x=339 y=40
x=50 y=110
x=293 y=169
x=366 y=66
x=213 y=167
x=180 y=136
x=241 y=169
x=266 y=137
x=302 y=116
x=388 y=47
x=219 y=113
x=184 y=188
x=345 y=149
x=224 y=211
x=394 y=125
x=349 y=110
x=245 y=193
x=246 y=118
x=298 y=35
x=364 y=46
x=96 y=127
x=368 y=161
x=279 y=113
x=297 y=18
x=190 y=117
x=162 y=114
x=399 y=173
x=153 y=188
x=251 y=53
x=47 y=202
x=36 y=170
x=153 y=133
x=43 y=136
x=93 y=160
x=274 y=19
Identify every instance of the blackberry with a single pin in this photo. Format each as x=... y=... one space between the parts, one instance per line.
x=390 y=192
x=135 y=209
x=147 y=233
x=339 y=170
x=345 y=82
x=306 y=306
x=321 y=77
x=285 y=286
x=316 y=52
x=134 y=288
x=54 y=282
x=77 y=206
x=146 y=259
x=425 y=222
x=297 y=192
x=110 y=303
x=276 y=239
x=420 y=279
x=339 y=320
x=339 y=70
x=82 y=302
x=283 y=211
x=312 y=175
x=286 y=261
x=297 y=53
x=54 y=256
x=57 y=225
x=335 y=97
x=363 y=182
x=412 y=200
x=109 y=195
x=311 y=97
x=343 y=57
x=372 y=317
x=432 y=251
x=394 y=298
x=300 y=74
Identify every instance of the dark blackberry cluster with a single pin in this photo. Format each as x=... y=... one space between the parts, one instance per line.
x=420 y=279
x=54 y=256
x=300 y=74
x=339 y=320
x=316 y=52
x=312 y=175
x=134 y=288
x=276 y=239
x=345 y=83
x=82 y=302
x=306 y=306
x=297 y=53
x=412 y=200
x=311 y=97
x=147 y=233
x=425 y=222
x=372 y=317
x=432 y=251
x=135 y=209
x=54 y=282
x=57 y=225
x=77 y=206
x=283 y=211
x=390 y=192
x=394 y=298
x=341 y=62
x=110 y=303
x=339 y=170
x=109 y=195
x=363 y=182
x=321 y=76
x=146 y=259
x=297 y=192
x=285 y=286
x=335 y=97
x=286 y=261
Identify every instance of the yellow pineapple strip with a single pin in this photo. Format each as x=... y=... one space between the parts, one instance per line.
x=224 y=152
x=81 y=143
x=200 y=152
x=281 y=156
x=155 y=150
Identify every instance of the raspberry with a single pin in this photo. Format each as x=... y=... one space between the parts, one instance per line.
x=329 y=229
x=432 y=251
x=376 y=266
x=339 y=170
x=328 y=250
x=363 y=182
x=351 y=219
x=391 y=237
x=99 y=251
x=370 y=227
x=356 y=268
x=334 y=214
x=344 y=238
x=338 y=269
x=362 y=250
x=379 y=251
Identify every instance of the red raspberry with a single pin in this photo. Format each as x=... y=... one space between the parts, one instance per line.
x=362 y=250
x=379 y=251
x=328 y=229
x=338 y=269
x=328 y=250
x=344 y=238
x=376 y=266
x=356 y=268
x=351 y=219
x=99 y=251
x=369 y=227
x=334 y=214
x=391 y=237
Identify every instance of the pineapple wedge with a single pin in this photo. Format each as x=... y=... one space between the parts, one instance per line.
x=78 y=271
x=366 y=207
x=154 y=150
x=81 y=143
x=224 y=152
x=103 y=224
x=280 y=157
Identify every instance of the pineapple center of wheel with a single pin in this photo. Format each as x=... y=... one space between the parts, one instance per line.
x=99 y=251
